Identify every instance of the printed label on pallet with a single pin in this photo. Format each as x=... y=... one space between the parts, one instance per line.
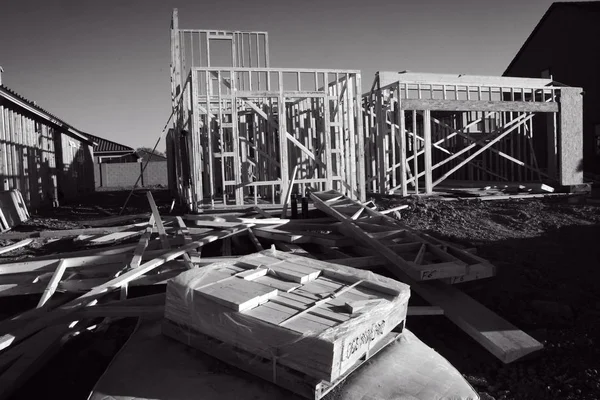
x=355 y=346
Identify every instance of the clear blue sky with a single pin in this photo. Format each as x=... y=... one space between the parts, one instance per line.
x=103 y=66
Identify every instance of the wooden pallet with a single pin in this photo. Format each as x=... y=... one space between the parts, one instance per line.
x=285 y=377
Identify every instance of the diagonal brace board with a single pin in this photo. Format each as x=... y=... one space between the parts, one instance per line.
x=492 y=149
x=483 y=148
x=287 y=134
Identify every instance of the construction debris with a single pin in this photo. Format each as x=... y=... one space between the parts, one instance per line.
x=13 y=210
x=350 y=235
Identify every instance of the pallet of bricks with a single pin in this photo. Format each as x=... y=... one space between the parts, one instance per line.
x=304 y=314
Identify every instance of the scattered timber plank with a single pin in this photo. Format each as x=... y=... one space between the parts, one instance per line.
x=159 y=224
x=53 y=284
x=302 y=237
x=67 y=232
x=262 y=212
x=509 y=197
x=254 y=240
x=15 y=246
x=391 y=210
x=119 y=249
x=498 y=336
x=187 y=238
x=267 y=219
x=293 y=248
x=138 y=253
x=213 y=224
x=49 y=264
x=425 y=310
x=114 y=220
x=103 y=240
x=81 y=285
x=148 y=300
x=101 y=290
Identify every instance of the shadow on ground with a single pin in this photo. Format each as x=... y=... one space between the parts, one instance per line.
x=547 y=286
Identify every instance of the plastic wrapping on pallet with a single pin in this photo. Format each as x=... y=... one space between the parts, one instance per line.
x=311 y=326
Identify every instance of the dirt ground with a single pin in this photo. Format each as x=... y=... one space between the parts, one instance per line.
x=548 y=256
x=547 y=253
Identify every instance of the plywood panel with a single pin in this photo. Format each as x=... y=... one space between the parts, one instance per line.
x=571 y=137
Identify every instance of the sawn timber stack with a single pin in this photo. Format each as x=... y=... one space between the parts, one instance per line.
x=311 y=316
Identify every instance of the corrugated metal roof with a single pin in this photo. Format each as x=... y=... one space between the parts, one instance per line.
x=13 y=96
x=107 y=146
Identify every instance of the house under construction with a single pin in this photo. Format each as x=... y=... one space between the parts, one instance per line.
x=423 y=130
x=245 y=132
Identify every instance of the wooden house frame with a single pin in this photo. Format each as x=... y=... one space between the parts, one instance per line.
x=474 y=128
x=248 y=134
x=244 y=133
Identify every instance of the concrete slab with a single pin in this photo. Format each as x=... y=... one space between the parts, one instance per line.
x=152 y=366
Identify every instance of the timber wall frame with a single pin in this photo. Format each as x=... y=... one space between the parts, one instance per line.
x=247 y=134
x=434 y=127
x=244 y=134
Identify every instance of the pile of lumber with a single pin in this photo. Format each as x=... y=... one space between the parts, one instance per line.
x=88 y=286
x=312 y=316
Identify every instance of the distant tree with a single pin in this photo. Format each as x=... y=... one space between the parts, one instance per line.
x=144 y=153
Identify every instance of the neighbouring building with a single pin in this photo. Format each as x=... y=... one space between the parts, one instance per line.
x=564 y=46
x=45 y=158
x=118 y=167
x=107 y=151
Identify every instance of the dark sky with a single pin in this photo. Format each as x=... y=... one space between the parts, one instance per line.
x=103 y=65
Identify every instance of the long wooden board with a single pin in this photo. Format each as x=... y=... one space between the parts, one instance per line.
x=68 y=232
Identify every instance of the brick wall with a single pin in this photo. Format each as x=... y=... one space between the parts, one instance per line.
x=124 y=175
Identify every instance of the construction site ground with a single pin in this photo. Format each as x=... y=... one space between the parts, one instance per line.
x=546 y=251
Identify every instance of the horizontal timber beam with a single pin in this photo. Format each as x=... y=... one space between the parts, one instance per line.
x=475 y=105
